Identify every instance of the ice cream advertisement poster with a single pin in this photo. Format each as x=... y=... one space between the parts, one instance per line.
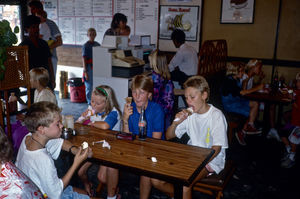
x=185 y=18
x=237 y=11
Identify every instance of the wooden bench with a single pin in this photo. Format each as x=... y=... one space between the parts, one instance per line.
x=215 y=184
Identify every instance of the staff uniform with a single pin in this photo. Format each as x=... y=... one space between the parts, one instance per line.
x=186 y=59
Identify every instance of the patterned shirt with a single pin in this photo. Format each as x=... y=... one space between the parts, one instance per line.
x=163 y=93
x=15 y=184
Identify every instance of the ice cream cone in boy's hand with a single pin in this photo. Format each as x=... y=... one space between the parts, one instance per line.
x=128 y=100
x=189 y=111
x=85 y=145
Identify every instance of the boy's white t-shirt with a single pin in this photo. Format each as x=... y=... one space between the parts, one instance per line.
x=207 y=130
x=44 y=95
x=39 y=166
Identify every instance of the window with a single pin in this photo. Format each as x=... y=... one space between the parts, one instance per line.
x=12 y=14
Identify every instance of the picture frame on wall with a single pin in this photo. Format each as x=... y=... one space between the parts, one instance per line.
x=237 y=11
x=185 y=18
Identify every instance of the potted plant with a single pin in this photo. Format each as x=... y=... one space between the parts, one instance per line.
x=7 y=39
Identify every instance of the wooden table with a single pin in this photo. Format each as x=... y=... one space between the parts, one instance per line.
x=269 y=98
x=176 y=163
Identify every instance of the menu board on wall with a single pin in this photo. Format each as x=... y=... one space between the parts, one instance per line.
x=75 y=17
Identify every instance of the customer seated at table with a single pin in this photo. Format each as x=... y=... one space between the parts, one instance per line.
x=142 y=89
x=253 y=70
x=290 y=133
x=13 y=182
x=104 y=113
x=39 y=79
x=206 y=127
x=163 y=88
x=233 y=100
x=40 y=147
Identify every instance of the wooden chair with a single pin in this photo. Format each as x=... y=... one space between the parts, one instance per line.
x=214 y=184
x=16 y=75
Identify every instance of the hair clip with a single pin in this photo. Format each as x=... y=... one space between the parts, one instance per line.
x=102 y=90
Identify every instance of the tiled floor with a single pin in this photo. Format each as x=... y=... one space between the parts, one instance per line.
x=258 y=174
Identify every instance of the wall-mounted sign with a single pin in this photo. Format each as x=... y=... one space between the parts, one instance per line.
x=237 y=11
x=184 y=18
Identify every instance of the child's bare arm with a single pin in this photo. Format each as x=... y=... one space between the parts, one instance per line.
x=254 y=89
x=128 y=110
x=100 y=125
x=180 y=117
x=170 y=133
x=80 y=156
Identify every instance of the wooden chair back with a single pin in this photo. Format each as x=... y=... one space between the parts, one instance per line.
x=16 y=75
x=212 y=57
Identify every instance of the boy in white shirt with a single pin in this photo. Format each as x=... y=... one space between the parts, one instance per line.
x=206 y=127
x=42 y=145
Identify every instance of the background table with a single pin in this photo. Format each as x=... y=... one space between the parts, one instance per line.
x=270 y=98
x=176 y=163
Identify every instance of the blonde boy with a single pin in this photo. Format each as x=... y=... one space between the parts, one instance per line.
x=87 y=61
x=206 y=128
x=42 y=145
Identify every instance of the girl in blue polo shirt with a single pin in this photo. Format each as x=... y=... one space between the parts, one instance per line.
x=104 y=113
x=142 y=89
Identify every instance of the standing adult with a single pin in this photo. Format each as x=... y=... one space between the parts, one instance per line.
x=185 y=62
x=38 y=49
x=35 y=7
x=118 y=26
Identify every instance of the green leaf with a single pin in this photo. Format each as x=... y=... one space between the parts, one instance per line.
x=16 y=29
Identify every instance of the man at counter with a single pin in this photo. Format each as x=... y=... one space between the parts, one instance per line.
x=185 y=62
x=37 y=7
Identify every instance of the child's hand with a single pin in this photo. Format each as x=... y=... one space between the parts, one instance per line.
x=80 y=156
x=128 y=110
x=85 y=113
x=182 y=115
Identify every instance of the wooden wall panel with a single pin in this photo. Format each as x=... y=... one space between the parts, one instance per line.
x=243 y=40
x=289 y=32
x=69 y=56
